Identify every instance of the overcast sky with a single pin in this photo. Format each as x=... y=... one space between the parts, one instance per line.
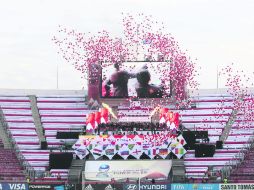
x=215 y=32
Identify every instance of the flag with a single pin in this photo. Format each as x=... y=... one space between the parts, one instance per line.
x=97 y=119
x=174 y=144
x=126 y=145
x=110 y=151
x=136 y=151
x=130 y=146
x=90 y=147
x=181 y=140
x=109 y=109
x=124 y=152
x=162 y=120
x=146 y=145
x=97 y=151
x=89 y=127
x=179 y=151
x=176 y=119
x=77 y=144
x=90 y=122
x=117 y=147
x=104 y=146
x=172 y=126
x=163 y=152
x=163 y=113
x=81 y=151
x=104 y=115
x=151 y=152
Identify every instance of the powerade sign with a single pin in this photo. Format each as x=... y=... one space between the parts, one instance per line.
x=204 y=186
x=147 y=187
x=13 y=186
x=46 y=187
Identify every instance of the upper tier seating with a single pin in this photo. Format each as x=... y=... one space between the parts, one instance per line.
x=18 y=115
x=62 y=114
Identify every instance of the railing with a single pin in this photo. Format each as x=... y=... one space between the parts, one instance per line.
x=228 y=126
x=29 y=170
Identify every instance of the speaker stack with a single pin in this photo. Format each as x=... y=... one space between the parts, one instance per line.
x=44 y=145
x=219 y=145
x=204 y=150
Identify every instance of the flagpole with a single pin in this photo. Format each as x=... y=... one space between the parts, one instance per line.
x=57 y=70
x=139 y=180
x=217 y=78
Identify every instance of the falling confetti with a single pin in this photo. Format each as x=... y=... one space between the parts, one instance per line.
x=140 y=34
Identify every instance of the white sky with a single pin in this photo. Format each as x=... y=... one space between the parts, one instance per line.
x=216 y=32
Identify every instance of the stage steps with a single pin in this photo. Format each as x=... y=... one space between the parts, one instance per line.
x=37 y=118
x=75 y=171
x=178 y=171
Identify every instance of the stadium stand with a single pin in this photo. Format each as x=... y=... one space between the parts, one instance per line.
x=17 y=111
x=204 y=117
x=57 y=114
x=10 y=169
x=68 y=114
x=244 y=172
x=62 y=114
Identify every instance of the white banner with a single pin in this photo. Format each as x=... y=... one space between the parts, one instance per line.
x=237 y=186
x=106 y=170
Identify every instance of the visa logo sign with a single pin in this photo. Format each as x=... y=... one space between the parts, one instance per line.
x=17 y=186
x=13 y=186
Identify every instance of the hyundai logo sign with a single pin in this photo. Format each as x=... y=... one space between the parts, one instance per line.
x=147 y=187
x=132 y=187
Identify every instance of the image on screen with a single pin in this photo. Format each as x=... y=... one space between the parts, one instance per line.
x=135 y=79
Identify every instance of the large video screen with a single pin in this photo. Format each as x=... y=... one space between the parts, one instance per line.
x=119 y=170
x=135 y=79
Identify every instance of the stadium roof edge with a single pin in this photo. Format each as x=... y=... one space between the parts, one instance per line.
x=54 y=92
x=42 y=92
x=212 y=92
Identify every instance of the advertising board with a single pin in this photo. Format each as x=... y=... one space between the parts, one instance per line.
x=107 y=170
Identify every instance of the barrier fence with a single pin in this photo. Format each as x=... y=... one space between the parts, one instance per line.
x=126 y=186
